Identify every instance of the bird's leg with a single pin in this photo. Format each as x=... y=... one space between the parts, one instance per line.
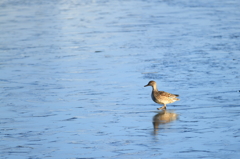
x=164 y=107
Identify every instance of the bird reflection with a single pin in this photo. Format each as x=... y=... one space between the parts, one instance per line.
x=163 y=117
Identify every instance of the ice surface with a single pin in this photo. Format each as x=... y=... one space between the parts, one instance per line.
x=72 y=77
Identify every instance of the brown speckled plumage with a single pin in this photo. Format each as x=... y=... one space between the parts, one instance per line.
x=161 y=97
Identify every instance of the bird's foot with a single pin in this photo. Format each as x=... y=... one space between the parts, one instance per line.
x=162 y=108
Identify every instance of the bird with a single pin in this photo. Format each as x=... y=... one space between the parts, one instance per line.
x=161 y=97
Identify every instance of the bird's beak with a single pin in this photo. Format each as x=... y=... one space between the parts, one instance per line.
x=146 y=85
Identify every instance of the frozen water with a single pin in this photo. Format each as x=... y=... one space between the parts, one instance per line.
x=72 y=77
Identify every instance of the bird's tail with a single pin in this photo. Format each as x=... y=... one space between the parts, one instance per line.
x=177 y=96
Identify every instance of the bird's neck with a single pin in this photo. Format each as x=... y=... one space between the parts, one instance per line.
x=154 y=88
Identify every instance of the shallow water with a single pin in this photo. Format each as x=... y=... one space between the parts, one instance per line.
x=72 y=77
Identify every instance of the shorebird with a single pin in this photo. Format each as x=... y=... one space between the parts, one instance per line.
x=161 y=97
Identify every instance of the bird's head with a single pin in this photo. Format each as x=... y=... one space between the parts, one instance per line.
x=151 y=83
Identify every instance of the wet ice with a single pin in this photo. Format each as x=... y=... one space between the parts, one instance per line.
x=72 y=76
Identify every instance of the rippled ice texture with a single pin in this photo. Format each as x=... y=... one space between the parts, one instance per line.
x=72 y=77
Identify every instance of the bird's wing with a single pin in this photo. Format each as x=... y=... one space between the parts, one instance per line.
x=166 y=94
